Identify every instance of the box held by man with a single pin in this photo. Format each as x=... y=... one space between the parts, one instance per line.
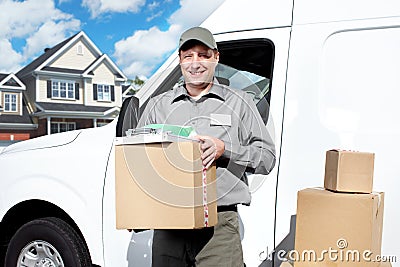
x=160 y=186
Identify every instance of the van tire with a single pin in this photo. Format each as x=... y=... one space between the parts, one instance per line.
x=57 y=238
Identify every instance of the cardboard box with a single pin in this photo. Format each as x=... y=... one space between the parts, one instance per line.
x=286 y=264
x=341 y=222
x=349 y=171
x=159 y=186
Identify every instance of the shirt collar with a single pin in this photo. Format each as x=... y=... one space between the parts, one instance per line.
x=216 y=90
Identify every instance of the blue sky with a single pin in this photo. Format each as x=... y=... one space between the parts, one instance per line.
x=138 y=35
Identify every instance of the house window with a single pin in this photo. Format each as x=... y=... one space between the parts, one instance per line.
x=59 y=127
x=63 y=89
x=10 y=103
x=103 y=92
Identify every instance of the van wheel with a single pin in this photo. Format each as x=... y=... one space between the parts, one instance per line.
x=47 y=242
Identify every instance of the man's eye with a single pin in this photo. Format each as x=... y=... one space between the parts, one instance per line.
x=204 y=56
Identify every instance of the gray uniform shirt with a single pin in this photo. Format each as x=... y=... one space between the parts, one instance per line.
x=229 y=115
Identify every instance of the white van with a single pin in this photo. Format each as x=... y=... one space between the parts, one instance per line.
x=325 y=74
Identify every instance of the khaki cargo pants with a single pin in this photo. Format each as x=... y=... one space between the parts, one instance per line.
x=225 y=248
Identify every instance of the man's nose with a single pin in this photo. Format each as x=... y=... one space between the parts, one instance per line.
x=195 y=60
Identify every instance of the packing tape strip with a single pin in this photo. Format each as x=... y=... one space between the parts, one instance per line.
x=205 y=204
x=379 y=201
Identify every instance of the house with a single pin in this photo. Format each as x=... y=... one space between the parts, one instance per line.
x=72 y=85
x=15 y=122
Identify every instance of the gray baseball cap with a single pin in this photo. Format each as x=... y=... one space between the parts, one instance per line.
x=200 y=34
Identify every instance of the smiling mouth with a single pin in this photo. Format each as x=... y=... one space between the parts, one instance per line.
x=196 y=73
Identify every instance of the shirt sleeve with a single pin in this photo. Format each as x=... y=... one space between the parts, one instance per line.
x=256 y=149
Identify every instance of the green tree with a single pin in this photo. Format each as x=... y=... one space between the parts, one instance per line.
x=139 y=82
x=136 y=83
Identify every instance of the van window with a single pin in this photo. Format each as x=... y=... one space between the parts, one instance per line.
x=244 y=65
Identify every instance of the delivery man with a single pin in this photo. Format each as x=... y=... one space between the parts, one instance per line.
x=232 y=134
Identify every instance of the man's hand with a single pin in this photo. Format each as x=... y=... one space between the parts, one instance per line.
x=211 y=149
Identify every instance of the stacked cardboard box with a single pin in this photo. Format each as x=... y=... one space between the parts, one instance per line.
x=348 y=171
x=341 y=224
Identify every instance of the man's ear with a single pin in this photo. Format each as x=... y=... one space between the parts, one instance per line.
x=216 y=55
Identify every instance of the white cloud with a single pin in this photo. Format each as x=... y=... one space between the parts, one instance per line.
x=49 y=34
x=140 y=53
x=38 y=22
x=22 y=18
x=138 y=67
x=156 y=15
x=97 y=7
x=10 y=59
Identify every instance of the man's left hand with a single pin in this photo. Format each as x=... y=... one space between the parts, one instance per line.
x=211 y=149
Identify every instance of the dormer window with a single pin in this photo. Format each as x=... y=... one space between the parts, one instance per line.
x=10 y=103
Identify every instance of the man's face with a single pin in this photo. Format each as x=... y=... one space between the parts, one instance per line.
x=198 y=65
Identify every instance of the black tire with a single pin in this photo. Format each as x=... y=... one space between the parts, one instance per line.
x=55 y=236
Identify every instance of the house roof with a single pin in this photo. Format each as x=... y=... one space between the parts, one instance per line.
x=16 y=121
x=108 y=61
x=126 y=87
x=73 y=110
x=128 y=90
x=10 y=81
x=64 y=70
x=69 y=107
x=47 y=54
